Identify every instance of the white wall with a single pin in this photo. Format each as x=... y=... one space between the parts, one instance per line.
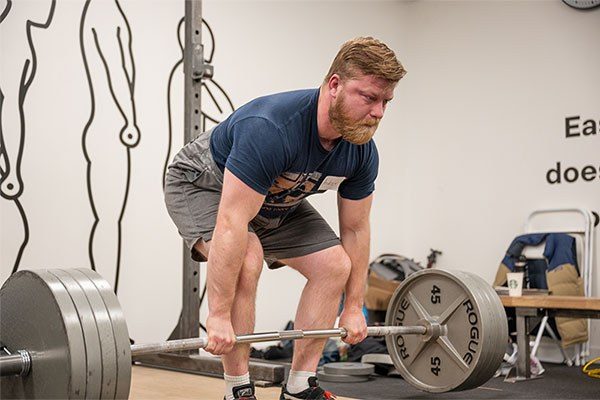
x=479 y=121
x=464 y=147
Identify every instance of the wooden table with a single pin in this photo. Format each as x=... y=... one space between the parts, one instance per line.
x=535 y=306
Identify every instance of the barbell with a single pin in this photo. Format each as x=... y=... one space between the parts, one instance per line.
x=64 y=334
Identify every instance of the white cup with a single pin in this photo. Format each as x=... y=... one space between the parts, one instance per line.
x=515 y=283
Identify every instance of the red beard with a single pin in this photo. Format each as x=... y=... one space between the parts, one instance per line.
x=356 y=132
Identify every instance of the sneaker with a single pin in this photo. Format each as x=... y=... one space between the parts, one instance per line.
x=243 y=392
x=314 y=392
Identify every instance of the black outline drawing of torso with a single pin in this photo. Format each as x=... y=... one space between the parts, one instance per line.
x=111 y=131
x=13 y=90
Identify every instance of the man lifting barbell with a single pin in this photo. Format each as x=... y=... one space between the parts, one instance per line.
x=444 y=330
x=63 y=333
x=237 y=195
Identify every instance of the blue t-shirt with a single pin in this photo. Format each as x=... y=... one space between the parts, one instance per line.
x=272 y=145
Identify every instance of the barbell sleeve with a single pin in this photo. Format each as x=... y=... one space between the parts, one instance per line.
x=199 y=343
x=18 y=363
x=388 y=330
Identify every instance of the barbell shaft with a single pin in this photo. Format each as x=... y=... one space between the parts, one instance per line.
x=199 y=343
x=16 y=363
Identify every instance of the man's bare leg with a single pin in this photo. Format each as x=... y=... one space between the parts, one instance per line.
x=327 y=272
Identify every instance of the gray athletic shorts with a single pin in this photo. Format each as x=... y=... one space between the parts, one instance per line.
x=192 y=194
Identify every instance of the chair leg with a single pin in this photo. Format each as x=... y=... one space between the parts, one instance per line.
x=538 y=337
x=564 y=354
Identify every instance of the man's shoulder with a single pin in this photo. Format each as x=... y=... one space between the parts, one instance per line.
x=279 y=107
x=300 y=96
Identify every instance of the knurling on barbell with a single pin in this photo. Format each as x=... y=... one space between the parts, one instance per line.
x=445 y=331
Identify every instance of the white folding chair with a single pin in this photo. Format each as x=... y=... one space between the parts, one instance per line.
x=579 y=223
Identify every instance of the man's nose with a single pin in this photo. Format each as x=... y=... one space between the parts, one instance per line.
x=378 y=110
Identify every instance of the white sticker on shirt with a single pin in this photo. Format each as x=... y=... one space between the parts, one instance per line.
x=331 y=182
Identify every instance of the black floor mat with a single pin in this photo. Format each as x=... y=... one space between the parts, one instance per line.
x=558 y=382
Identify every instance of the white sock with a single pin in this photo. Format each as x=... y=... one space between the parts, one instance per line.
x=233 y=381
x=298 y=381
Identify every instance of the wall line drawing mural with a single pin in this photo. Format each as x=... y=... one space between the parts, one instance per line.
x=111 y=130
x=14 y=84
x=216 y=103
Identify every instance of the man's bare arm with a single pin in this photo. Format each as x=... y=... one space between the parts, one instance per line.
x=239 y=205
x=355 y=233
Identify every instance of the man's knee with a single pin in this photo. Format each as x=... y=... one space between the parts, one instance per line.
x=336 y=265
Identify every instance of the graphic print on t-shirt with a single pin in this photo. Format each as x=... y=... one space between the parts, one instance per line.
x=291 y=187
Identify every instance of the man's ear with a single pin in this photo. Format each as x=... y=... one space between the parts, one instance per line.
x=333 y=85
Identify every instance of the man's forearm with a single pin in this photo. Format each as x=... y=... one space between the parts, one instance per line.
x=357 y=245
x=226 y=256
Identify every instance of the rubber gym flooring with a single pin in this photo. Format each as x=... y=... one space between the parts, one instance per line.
x=558 y=382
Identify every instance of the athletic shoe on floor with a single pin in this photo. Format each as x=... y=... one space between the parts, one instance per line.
x=314 y=392
x=243 y=392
